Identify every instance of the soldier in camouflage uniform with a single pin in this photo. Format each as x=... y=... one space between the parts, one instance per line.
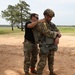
x=48 y=39
x=30 y=48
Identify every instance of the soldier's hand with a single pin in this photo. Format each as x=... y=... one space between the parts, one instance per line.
x=57 y=41
x=59 y=35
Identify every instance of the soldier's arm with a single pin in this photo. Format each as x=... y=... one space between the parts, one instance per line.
x=41 y=27
x=33 y=24
x=56 y=29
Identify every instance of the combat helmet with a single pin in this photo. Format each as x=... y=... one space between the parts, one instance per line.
x=49 y=12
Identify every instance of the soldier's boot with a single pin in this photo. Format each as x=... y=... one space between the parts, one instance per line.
x=52 y=73
x=27 y=73
x=33 y=71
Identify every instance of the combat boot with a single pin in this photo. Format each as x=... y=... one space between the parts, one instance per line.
x=52 y=73
x=33 y=71
x=27 y=73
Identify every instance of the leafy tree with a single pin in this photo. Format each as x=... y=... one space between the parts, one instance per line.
x=17 y=14
x=23 y=12
x=9 y=14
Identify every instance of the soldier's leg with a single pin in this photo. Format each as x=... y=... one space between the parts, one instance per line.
x=51 y=62
x=26 y=61
x=27 y=55
x=41 y=63
x=34 y=59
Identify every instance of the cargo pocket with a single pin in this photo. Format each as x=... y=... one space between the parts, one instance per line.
x=28 y=46
x=44 y=49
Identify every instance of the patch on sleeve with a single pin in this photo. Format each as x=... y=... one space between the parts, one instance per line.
x=45 y=25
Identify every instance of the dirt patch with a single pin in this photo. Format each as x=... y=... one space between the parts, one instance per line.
x=11 y=56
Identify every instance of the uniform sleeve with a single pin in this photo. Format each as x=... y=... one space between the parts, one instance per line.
x=42 y=28
x=54 y=27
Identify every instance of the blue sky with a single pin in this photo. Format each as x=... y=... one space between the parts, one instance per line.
x=64 y=9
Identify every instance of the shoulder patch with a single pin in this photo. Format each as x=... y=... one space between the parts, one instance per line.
x=45 y=25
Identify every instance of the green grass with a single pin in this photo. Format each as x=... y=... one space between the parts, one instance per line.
x=8 y=30
x=63 y=30
x=67 y=29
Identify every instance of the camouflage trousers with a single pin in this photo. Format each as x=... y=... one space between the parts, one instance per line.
x=42 y=62
x=30 y=55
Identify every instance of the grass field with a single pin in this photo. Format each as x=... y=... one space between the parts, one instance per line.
x=67 y=29
x=8 y=30
x=63 y=30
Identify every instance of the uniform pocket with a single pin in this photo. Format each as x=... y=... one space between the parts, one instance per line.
x=28 y=46
x=44 y=49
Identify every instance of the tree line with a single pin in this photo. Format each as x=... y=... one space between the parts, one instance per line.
x=17 y=14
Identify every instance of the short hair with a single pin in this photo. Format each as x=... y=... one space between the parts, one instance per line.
x=33 y=15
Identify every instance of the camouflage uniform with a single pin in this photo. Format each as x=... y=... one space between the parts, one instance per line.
x=30 y=52
x=47 y=33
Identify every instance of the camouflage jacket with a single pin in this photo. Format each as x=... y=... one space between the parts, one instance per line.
x=45 y=31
